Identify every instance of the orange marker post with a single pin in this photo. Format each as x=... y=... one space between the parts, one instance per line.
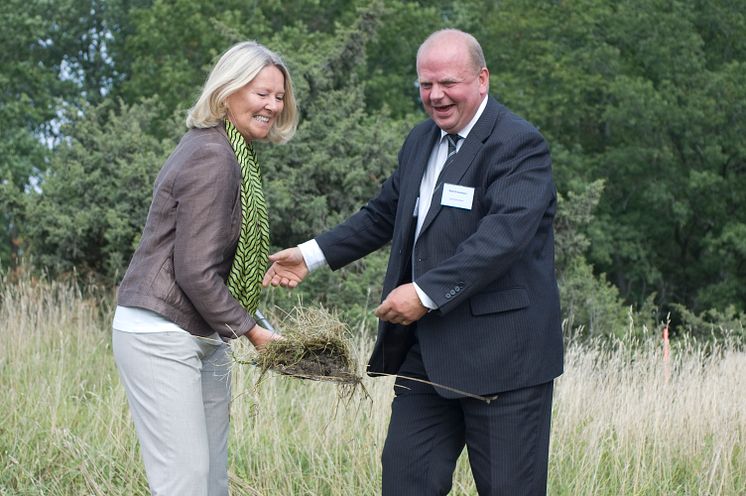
x=666 y=353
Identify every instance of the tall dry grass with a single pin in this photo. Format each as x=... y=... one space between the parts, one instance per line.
x=618 y=427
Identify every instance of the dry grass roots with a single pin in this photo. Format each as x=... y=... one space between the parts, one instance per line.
x=315 y=347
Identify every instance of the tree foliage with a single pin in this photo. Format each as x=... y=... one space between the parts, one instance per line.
x=96 y=192
x=649 y=97
x=646 y=97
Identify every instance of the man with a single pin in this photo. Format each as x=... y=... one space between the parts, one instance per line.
x=470 y=296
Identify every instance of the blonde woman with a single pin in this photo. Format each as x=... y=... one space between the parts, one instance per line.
x=193 y=283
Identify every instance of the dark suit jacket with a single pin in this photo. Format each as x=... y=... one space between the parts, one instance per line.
x=489 y=269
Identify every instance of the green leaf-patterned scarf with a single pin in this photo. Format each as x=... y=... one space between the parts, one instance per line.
x=250 y=261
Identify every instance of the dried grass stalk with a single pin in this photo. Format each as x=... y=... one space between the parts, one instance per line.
x=315 y=347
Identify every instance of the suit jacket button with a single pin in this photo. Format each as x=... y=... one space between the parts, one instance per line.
x=448 y=295
x=453 y=293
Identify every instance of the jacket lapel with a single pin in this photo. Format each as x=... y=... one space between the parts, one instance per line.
x=409 y=189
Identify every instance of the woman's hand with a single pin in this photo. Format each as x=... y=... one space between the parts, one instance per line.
x=259 y=336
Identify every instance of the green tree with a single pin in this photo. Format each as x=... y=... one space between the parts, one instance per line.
x=169 y=47
x=675 y=162
x=54 y=57
x=645 y=95
x=95 y=195
x=649 y=97
x=317 y=16
x=29 y=68
x=340 y=156
x=389 y=73
x=591 y=306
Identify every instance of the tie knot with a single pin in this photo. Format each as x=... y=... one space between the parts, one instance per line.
x=453 y=139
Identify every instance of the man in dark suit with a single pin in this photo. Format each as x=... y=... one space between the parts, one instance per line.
x=470 y=305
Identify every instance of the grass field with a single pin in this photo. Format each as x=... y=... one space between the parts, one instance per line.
x=619 y=427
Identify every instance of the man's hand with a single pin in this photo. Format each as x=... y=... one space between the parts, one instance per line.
x=401 y=306
x=288 y=269
x=259 y=336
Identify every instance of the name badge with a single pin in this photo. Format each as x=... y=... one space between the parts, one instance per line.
x=457 y=196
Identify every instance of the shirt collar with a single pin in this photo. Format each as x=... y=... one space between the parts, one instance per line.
x=467 y=129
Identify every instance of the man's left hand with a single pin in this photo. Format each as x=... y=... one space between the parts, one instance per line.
x=401 y=306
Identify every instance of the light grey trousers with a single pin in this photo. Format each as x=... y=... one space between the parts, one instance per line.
x=178 y=388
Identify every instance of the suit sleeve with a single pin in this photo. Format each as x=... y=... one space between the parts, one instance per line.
x=518 y=193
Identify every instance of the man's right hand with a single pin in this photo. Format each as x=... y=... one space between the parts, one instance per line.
x=288 y=269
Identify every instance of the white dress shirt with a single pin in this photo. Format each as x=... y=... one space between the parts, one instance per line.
x=314 y=257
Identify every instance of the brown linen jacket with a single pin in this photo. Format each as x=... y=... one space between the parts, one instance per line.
x=180 y=268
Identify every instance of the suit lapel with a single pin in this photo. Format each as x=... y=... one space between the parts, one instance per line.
x=463 y=159
x=409 y=189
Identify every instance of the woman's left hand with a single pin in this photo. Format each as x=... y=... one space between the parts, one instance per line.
x=259 y=336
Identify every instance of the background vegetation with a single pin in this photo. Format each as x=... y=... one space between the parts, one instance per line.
x=643 y=103
x=622 y=425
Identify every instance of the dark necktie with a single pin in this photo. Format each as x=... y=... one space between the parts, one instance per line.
x=453 y=140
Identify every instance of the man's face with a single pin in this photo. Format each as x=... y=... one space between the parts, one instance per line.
x=451 y=88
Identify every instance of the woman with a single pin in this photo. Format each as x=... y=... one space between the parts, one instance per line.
x=193 y=283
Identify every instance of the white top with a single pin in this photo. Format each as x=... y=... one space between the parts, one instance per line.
x=131 y=319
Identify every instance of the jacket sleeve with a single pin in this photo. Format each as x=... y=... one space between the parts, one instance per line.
x=205 y=191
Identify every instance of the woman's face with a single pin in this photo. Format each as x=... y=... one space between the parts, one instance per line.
x=254 y=107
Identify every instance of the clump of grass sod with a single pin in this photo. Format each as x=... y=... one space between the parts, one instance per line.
x=315 y=346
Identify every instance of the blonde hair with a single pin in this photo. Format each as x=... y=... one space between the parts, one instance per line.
x=236 y=68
